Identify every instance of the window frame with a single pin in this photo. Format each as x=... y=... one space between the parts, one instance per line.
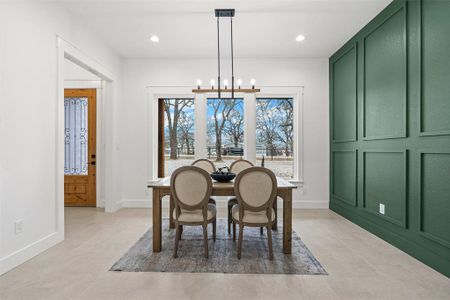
x=200 y=102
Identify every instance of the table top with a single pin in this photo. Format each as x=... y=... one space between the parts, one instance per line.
x=165 y=183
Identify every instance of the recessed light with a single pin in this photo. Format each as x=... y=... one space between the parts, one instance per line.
x=154 y=38
x=300 y=38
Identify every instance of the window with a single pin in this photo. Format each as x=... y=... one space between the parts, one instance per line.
x=259 y=126
x=275 y=135
x=179 y=129
x=225 y=129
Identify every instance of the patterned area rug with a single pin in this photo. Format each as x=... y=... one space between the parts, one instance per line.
x=222 y=253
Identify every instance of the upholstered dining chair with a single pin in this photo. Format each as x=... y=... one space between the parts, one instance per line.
x=191 y=188
x=205 y=164
x=236 y=167
x=209 y=167
x=255 y=189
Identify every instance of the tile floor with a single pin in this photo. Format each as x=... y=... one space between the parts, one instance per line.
x=360 y=266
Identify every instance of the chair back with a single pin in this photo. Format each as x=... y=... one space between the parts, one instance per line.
x=239 y=165
x=205 y=164
x=190 y=188
x=256 y=189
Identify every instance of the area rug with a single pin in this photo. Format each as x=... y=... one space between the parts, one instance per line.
x=222 y=253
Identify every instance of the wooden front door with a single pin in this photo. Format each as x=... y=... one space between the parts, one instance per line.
x=80 y=120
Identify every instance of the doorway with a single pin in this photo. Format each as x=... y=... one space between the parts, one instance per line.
x=80 y=136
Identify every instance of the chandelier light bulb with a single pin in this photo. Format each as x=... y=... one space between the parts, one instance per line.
x=252 y=82
x=225 y=83
x=239 y=83
x=212 y=82
x=199 y=83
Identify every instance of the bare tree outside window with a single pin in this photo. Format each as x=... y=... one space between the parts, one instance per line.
x=274 y=134
x=178 y=133
x=225 y=129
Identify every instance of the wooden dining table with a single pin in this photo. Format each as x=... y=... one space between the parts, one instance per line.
x=161 y=188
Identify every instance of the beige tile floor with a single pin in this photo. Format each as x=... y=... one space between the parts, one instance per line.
x=360 y=266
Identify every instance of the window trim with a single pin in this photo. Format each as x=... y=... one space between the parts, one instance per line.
x=200 y=101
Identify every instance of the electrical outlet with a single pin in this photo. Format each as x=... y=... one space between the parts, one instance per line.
x=18 y=226
x=381 y=208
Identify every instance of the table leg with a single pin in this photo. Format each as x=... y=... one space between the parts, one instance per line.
x=171 y=207
x=287 y=222
x=275 y=208
x=156 y=220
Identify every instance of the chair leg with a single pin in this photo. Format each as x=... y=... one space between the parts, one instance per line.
x=261 y=231
x=234 y=231
x=241 y=233
x=229 y=220
x=269 y=238
x=214 y=230
x=180 y=232
x=177 y=238
x=205 y=238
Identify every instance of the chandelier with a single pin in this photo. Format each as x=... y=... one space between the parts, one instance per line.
x=225 y=13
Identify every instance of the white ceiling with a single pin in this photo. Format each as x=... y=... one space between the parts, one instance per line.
x=262 y=28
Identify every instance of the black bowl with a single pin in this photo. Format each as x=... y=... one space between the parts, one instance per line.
x=225 y=177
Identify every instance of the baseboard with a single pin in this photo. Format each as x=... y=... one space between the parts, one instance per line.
x=135 y=203
x=18 y=257
x=146 y=203
x=311 y=204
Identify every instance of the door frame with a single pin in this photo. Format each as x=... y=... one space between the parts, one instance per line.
x=106 y=157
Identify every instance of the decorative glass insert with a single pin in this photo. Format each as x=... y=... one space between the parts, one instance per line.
x=275 y=135
x=76 y=136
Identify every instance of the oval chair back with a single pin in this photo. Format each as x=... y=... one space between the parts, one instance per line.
x=191 y=188
x=239 y=165
x=255 y=189
x=205 y=164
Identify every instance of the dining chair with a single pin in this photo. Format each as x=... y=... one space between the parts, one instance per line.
x=209 y=167
x=255 y=189
x=191 y=188
x=205 y=164
x=236 y=167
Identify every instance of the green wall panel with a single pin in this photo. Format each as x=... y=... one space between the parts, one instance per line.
x=344 y=92
x=385 y=79
x=399 y=152
x=435 y=67
x=344 y=176
x=384 y=182
x=435 y=196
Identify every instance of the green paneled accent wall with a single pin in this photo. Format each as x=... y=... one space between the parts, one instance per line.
x=344 y=176
x=390 y=129
x=344 y=89
x=384 y=99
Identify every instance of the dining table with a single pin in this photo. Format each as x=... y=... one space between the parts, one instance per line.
x=161 y=188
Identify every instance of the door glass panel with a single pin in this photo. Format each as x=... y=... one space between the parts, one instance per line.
x=76 y=136
x=225 y=130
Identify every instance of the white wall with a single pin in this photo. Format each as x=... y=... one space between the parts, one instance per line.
x=138 y=74
x=28 y=118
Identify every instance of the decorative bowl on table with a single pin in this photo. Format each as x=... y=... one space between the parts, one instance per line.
x=223 y=176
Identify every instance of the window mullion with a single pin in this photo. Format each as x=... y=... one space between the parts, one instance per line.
x=250 y=127
x=200 y=126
